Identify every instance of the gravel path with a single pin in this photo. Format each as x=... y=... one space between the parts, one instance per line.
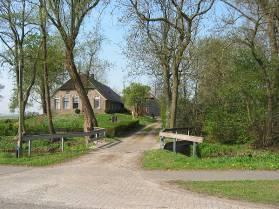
x=110 y=177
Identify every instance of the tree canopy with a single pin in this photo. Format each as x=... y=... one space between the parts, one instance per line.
x=135 y=96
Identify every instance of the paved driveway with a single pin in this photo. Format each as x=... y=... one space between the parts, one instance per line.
x=110 y=177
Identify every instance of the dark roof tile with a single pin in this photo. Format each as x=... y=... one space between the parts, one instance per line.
x=91 y=83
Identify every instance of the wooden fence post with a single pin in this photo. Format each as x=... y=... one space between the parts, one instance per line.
x=29 y=147
x=62 y=144
x=174 y=145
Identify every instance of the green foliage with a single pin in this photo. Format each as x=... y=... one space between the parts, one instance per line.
x=231 y=92
x=121 y=128
x=34 y=59
x=262 y=191
x=220 y=150
x=8 y=127
x=135 y=96
x=77 y=111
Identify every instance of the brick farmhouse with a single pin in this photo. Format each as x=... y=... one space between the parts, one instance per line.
x=102 y=98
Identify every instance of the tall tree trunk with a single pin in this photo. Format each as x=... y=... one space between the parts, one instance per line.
x=20 y=100
x=269 y=119
x=45 y=66
x=89 y=116
x=167 y=93
x=43 y=96
x=174 y=99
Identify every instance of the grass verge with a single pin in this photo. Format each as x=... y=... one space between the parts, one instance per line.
x=165 y=160
x=40 y=159
x=260 y=191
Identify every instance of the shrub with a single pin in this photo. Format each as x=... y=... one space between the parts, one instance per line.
x=121 y=128
x=8 y=127
x=219 y=150
x=77 y=111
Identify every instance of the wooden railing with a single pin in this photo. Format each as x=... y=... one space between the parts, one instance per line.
x=176 y=135
x=94 y=135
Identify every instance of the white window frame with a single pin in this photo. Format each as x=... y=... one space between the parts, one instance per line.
x=76 y=100
x=57 y=101
x=97 y=98
x=68 y=103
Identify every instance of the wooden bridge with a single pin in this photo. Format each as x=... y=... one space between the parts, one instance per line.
x=181 y=134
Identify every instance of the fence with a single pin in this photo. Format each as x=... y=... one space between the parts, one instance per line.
x=94 y=135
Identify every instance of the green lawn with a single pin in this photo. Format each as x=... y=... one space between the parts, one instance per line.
x=74 y=122
x=266 y=191
x=162 y=159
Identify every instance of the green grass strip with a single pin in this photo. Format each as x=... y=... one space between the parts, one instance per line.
x=165 y=160
x=259 y=191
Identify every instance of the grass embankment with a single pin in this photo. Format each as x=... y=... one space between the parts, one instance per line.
x=213 y=156
x=260 y=191
x=74 y=122
x=45 y=152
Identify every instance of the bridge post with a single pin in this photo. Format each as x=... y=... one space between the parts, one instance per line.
x=174 y=145
x=162 y=142
x=194 y=149
x=62 y=144
x=29 y=147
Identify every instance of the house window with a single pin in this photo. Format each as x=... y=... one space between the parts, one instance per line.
x=97 y=103
x=75 y=102
x=57 y=103
x=66 y=103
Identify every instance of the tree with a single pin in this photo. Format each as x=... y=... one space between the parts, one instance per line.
x=262 y=22
x=43 y=27
x=230 y=90
x=55 y=64
x=87 y=55
x=15 y=19
x=135 y=96
x=169 y=27
x=67 y=16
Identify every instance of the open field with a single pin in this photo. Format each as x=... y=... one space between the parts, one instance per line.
x=260 y=191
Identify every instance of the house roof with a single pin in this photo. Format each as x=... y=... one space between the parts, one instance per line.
x=91 y=83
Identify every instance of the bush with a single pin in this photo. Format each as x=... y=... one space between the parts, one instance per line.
x=121 y=128
x=8 y=127
x=220 y=150
x=31 y=114
x=77 y=111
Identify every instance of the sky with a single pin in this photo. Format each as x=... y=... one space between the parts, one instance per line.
x=114 y=33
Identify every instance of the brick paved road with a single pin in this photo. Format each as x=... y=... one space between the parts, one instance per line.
x=107 y=178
